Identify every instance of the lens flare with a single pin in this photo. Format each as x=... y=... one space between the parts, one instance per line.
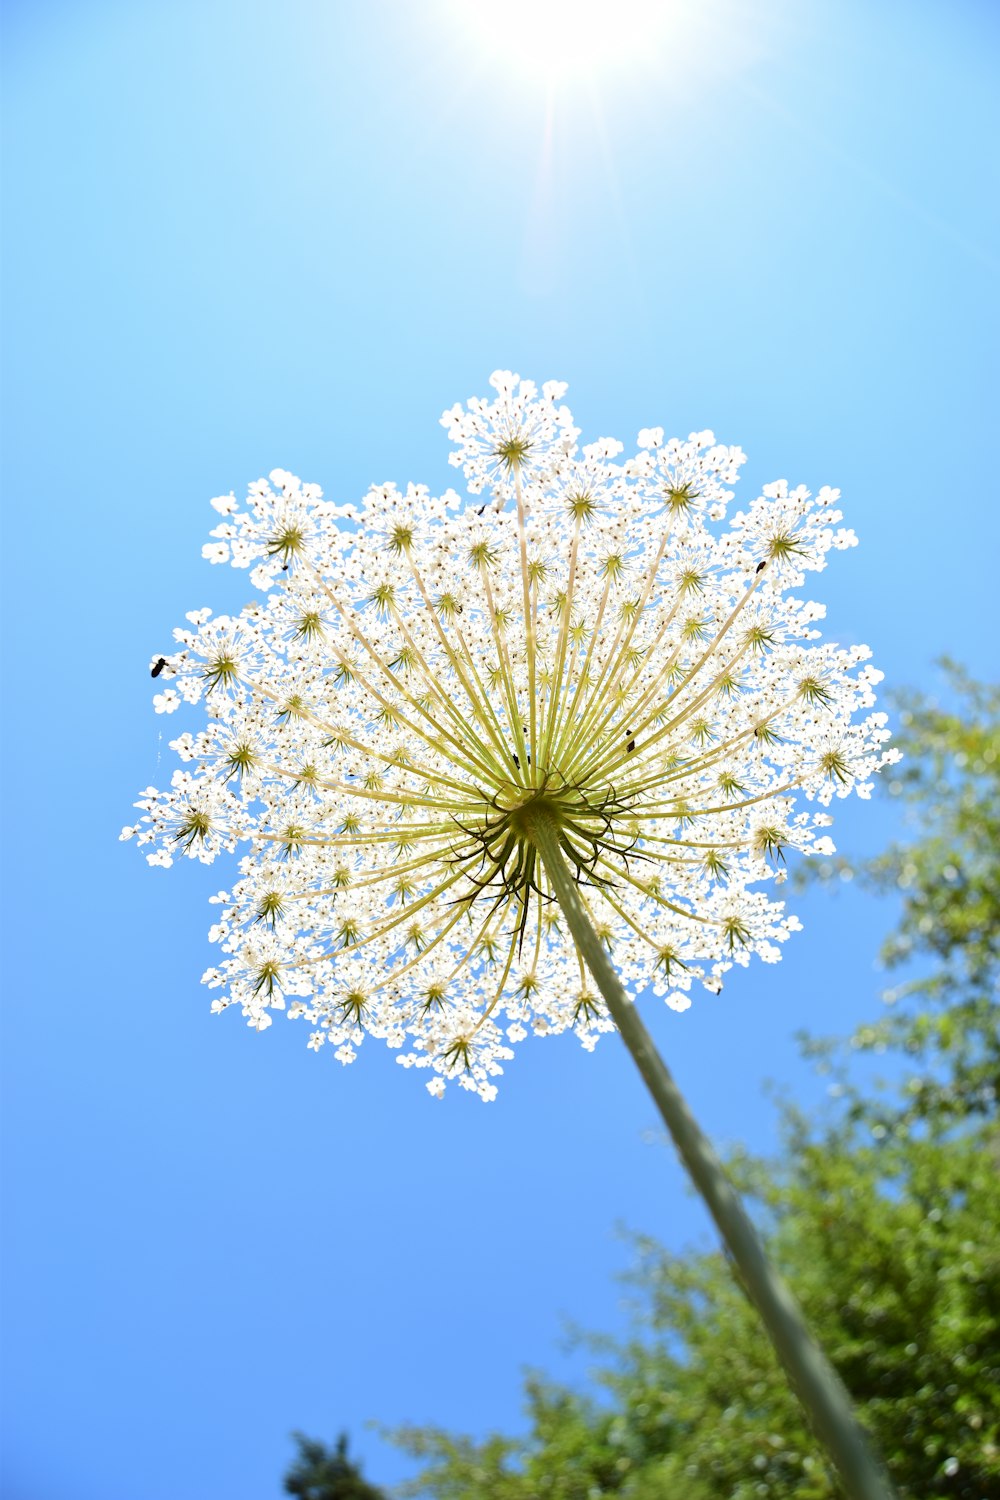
x=555 y=39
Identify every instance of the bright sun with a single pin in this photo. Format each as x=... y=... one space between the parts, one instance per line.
x=556 y=38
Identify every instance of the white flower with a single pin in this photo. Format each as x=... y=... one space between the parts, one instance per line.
x=515 y=433
x=424 y=669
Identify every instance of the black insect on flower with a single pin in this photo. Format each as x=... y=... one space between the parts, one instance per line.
x=158 y=666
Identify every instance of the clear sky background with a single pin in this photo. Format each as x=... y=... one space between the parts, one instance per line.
x=240 y=236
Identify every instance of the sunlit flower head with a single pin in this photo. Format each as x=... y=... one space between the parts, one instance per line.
x=585 y=640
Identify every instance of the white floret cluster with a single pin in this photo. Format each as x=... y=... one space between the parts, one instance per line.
x=590 y=637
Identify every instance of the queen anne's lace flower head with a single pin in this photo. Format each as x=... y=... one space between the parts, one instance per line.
x=592 y=641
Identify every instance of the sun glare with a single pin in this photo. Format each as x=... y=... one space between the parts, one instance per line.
x=553 y=39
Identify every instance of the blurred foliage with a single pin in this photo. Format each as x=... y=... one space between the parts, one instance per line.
x=947 y=939
x=322 y=1473
x=883 y=1215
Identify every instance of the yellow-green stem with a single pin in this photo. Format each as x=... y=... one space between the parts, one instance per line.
x=819 y=1388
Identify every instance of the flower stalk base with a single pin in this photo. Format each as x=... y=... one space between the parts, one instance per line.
x=819 y=1388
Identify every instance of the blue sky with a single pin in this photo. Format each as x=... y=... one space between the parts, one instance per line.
x=242 y=236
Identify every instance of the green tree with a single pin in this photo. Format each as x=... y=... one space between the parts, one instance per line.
x=322 y=1473
x=883 y=1217
x=947 y=942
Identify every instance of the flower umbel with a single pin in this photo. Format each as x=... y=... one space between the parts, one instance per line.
x=428 y=677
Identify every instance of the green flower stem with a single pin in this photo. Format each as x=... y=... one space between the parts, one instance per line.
x=817 y=1384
